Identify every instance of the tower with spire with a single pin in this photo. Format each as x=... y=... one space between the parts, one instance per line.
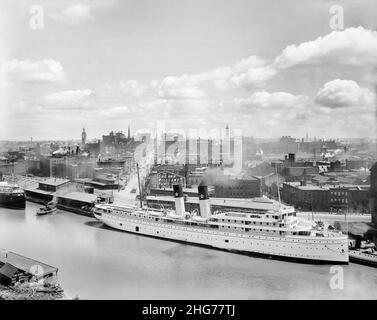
x=83 y=138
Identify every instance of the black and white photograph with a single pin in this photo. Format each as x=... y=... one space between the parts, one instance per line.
x=181 y=150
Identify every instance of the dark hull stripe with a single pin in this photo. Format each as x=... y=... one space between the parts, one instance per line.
x=363 y=261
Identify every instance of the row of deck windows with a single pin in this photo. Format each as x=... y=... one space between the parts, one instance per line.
x=248 y=222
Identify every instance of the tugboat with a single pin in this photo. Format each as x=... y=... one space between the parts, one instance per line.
x=11 y=196
x=47 y=209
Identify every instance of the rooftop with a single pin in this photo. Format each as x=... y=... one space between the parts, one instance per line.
x=327 y=186
x=37 y=190
x=251 y=204
x=80 y=196
x=54 y=181
x=187 y=190
x=25 y=264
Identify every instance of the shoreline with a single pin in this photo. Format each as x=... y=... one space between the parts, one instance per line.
x=33 y=291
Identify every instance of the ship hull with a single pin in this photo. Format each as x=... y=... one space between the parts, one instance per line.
x=363 y=258
x=12 y=201
x=292 y=248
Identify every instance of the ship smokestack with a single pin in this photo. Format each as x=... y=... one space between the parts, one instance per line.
x=179 y=200
x=205 y=209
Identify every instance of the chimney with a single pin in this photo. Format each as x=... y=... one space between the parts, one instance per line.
x=205 y=209
x=221 y=151
x=198 y=152
x=155 y=151
x=165 y=151
x=187 y=151
x=209 y=151
x=179 y=200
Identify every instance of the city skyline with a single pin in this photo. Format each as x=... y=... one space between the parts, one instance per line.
x=104 y=64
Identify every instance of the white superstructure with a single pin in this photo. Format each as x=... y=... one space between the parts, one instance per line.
x=274 y=233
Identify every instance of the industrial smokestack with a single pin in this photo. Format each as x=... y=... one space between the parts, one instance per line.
x=179 y=200
x=221 y=151
x=165 y=151
x=209 y=151
x=155 y=151
x=205 y=209
x=198 y=152
x=187 y=150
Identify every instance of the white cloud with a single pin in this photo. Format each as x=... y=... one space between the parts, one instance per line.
x=253 y=77
x=352 y=46
x=132 y=88
x=344 y=94
x=70 y=99
x=249 y=72
x=45 y=71
x=73 y=15
x=276 y=100
x=181 y=93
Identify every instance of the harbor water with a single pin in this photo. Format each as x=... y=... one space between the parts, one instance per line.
x=96 y=262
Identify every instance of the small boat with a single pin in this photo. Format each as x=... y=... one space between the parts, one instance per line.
x=45 y=210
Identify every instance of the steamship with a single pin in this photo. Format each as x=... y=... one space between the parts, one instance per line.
x=275 y=233
x=11 y=196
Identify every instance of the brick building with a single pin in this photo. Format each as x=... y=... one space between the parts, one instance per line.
x=354 y=198
x=305 y=197
x=240 y=187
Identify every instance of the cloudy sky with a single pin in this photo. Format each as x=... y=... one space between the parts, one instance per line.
x=266 y=67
